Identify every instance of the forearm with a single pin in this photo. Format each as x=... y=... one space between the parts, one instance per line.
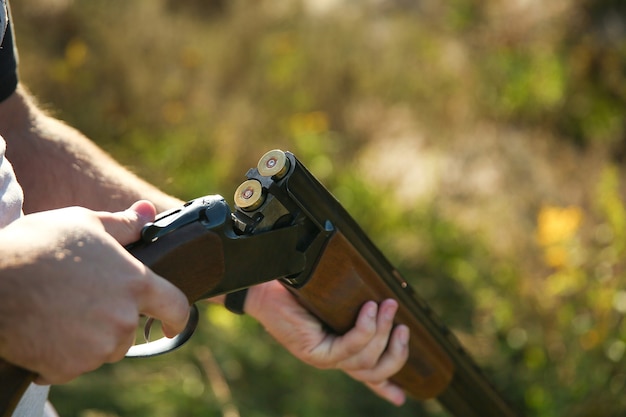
x=57 y=166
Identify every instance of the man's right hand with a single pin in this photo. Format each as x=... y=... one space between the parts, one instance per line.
x=72 y=295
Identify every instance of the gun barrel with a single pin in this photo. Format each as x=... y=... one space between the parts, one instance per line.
x=351 y=271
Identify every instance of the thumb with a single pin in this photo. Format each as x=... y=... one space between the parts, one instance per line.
x=125 y=226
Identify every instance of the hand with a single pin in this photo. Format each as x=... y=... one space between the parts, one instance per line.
x=72 y=295
x=371 y=352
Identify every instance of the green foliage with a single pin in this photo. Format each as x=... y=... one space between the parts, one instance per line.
x=477 y=143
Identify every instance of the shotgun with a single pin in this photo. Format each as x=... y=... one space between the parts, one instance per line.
x=287 y=226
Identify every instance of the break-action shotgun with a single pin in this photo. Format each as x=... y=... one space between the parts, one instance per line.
x=287 y=226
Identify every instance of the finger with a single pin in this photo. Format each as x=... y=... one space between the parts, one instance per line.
x=39 y=380
x=122 y=349
x=397 y=352
x=384 y=325
x=389 y=391
x=125 y=226
x=391 y=361
x=345 y=347
x=164 y=301
x=394 y=359
x=367 y=354
x=62 y=375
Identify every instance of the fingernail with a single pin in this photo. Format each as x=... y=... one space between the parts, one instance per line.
x=390 y=311
x=372 y=310
x=143 y=210
x=399 y=397
x=403 y=335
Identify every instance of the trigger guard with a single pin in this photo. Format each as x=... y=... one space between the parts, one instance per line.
x=164 y=344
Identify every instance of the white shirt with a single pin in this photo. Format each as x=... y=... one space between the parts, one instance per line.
x=11 y=198
x=11 y=195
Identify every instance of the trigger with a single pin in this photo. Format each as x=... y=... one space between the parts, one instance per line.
x=164 y=345
x=146 y=329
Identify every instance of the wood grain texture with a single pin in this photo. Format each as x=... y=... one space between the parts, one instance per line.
x=342 y=282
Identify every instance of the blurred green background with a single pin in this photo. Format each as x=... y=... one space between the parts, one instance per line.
x=481 y=144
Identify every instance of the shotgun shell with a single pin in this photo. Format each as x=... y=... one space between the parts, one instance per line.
x=273 y=164
x=249 y=195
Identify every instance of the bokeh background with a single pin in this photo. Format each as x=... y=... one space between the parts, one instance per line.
x=480 y=143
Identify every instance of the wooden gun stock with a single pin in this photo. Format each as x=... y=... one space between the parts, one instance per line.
x=342 y=282
x=13 y=383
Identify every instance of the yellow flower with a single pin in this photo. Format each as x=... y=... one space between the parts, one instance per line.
x=556 y=225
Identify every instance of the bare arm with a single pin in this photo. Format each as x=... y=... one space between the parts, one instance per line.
x=57 y=166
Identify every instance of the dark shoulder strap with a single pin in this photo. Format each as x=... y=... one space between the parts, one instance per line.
x=8 y=62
